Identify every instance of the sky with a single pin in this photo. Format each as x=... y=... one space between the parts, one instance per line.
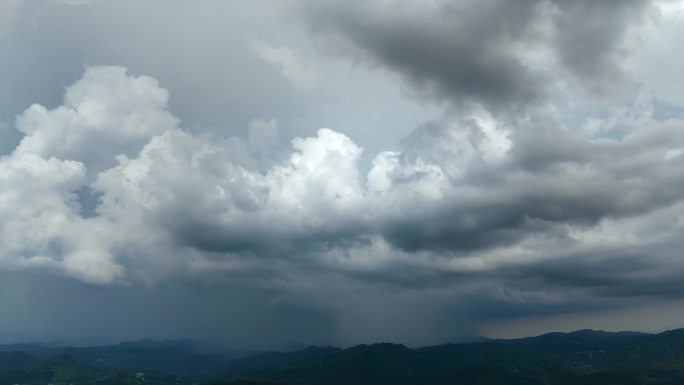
x=281 y=173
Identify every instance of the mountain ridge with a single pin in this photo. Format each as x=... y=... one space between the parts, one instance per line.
x=561 y=358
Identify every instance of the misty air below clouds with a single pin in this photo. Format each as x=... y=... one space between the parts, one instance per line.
x=284 y=173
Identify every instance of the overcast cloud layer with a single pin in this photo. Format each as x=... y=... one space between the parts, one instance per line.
x=347 y=172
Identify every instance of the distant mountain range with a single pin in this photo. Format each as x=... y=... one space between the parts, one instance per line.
x=584 y=357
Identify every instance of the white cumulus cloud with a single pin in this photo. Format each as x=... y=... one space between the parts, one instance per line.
x=473 y=197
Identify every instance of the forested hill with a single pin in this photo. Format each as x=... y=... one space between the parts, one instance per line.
x=581 y=357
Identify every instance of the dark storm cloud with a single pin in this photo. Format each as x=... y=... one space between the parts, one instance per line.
x=262 y=238
x=610 y=271
x=589 y=39
x=467 y=51
x=457 y=51
x=553 y=177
